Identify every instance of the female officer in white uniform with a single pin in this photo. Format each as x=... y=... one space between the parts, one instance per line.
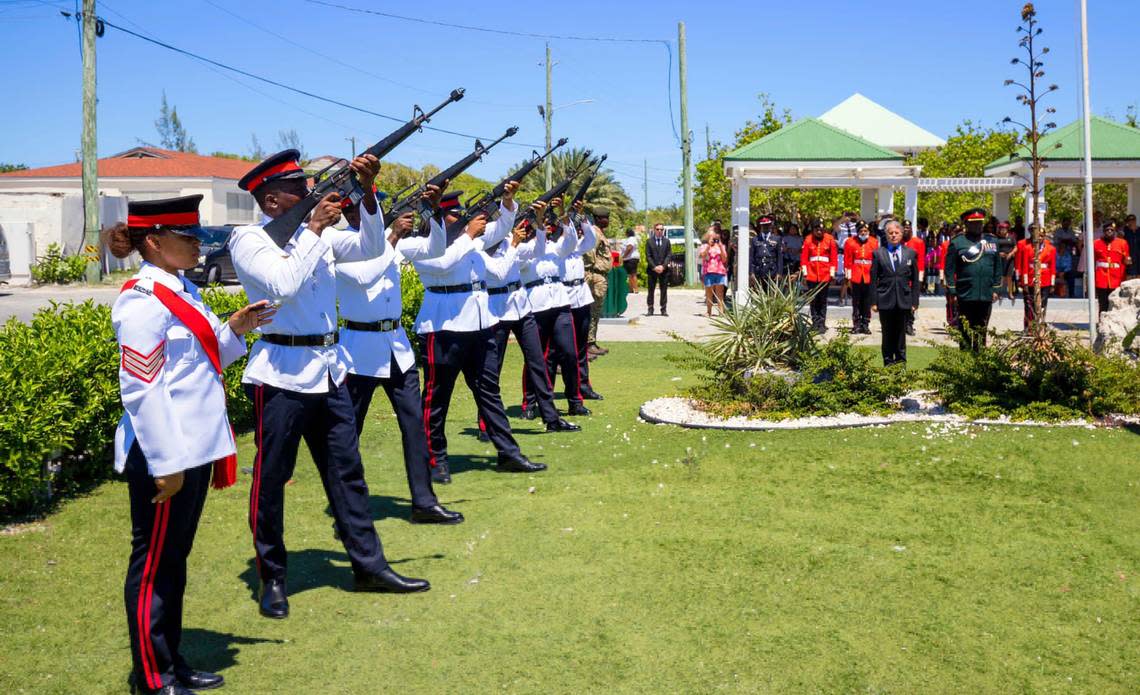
x=175 y=426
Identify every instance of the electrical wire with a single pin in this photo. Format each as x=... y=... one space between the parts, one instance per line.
x=296 y=90
x=530 y=35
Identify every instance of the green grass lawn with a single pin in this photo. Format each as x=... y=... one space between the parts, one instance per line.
x=647 y=559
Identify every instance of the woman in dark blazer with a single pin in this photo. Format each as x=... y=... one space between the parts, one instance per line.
x=894 y=287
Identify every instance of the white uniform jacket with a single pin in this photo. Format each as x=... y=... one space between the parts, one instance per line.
x=504 y=269
x=461 y=264
x=547 y=266
x=174 y=399
x=369 y=291
x=301 y=277
x=574 y=268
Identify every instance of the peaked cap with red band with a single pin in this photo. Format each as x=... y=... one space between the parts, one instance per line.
x=764 y=219
x=178 y=214
x=283 y=165
x=974 y=215
x=450 y=201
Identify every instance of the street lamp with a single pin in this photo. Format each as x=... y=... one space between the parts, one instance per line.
x=546 y=114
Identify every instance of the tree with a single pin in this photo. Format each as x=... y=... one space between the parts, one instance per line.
x=234 y=155
x=256 y=151
x=5 y=167
x=965 y=154
x=172 y=134
x=605 y=191
x=290 y=140
x=1029 y=96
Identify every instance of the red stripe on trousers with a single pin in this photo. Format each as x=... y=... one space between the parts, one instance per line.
x=427 y=396
x=146 y=592
x=255 y=488
x=574 y=332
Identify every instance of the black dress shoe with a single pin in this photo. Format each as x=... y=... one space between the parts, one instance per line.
x=199 y=680
x=435 y=514
x=561 y=425
x=530 y=412
x=483 y=436
x=519 y=464
x=578 y=409
x=591 y=395
x=172 y=689
x=664 y=313
x=650 y=312
x=388 y=582
x=274 y=602
x=441 y=472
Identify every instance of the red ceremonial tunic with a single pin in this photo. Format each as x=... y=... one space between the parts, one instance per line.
x=1110 y=260
x=1023 y=263
x=857 y=259
x=819 y=258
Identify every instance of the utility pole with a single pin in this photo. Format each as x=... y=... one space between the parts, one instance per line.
x=90 y=152
x=352 y=139
x=645 y=189
x=1090 y=270
x=708 y=142
x=686 y=156
x=547 y=116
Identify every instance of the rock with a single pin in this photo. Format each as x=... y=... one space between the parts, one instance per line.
x=1121 y=317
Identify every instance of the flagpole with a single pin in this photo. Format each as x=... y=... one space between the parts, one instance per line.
x=1090 y=267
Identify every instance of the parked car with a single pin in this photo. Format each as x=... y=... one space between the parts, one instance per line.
x=214 y=263
x=675 y=233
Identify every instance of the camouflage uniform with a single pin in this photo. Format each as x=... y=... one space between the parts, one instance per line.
x=598 y=262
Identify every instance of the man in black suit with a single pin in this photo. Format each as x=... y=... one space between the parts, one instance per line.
x=658 y=250
x=894 y=284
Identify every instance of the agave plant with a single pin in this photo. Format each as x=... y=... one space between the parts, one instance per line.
x=770 y=331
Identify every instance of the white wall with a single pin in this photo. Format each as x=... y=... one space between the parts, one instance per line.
x=213 y=190
x=33 y=221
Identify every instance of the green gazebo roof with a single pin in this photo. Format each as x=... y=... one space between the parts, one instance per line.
x=1110 y=140
x=811 y=140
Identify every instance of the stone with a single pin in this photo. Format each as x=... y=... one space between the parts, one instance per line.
x=1121 y=317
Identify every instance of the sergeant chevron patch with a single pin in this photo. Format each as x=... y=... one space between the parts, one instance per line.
x=144 y=366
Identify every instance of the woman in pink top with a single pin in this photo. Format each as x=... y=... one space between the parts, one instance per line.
x=712 y=254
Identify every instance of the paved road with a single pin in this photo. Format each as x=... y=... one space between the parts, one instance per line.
x=686 y=314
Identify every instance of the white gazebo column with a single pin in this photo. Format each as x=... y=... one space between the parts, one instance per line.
x=1133 y=198
x=1001 y=205
x=911 y=204
x=1040 y=205
x=885 y=201
x=867 y=203
x=740 y=210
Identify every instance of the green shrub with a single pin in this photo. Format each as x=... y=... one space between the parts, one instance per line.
x=412 y=294
x=1041 y=376
x=838 y=378
x=59 y=402
x=54 y=267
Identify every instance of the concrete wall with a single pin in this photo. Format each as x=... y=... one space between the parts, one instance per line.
x=213 y=207
x=33 y=221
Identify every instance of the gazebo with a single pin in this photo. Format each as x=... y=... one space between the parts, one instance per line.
x=1115 y=159
x=857 y=144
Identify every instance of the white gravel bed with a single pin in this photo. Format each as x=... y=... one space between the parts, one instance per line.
x=683 y=412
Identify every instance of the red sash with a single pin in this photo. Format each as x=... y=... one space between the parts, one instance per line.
x=225 y=469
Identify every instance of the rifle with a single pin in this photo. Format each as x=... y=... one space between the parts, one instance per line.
x=529 y=216
x=410 y=202
x=483 y=202
x=339 y=178
x=581 y=194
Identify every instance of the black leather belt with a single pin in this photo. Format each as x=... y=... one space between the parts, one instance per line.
x=511 y=287
x=302 y=340
x=574 y=283
x=457 y=289
x=374 y=326
x=552 y=280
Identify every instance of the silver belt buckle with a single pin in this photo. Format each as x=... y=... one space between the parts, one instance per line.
x=328 y=341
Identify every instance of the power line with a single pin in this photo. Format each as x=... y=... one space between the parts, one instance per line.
x=530 y=35
x=290 y=88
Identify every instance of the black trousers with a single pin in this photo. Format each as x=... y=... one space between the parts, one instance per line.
x=556 y=332
x=580 y=321
x=655 y=281
x=449 y=354
x=161 y=537
x=1102 y=299
x=893 y=323
x=861 y=305
x=403 y=391
x=909 y=320
x=975 y=317
x=1027 y=296
x=819 y=305
x=327 y=422
x=541 y=392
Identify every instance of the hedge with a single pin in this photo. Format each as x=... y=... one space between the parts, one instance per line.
x=59 y=397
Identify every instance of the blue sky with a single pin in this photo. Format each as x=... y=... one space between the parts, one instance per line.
x=934 y=63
